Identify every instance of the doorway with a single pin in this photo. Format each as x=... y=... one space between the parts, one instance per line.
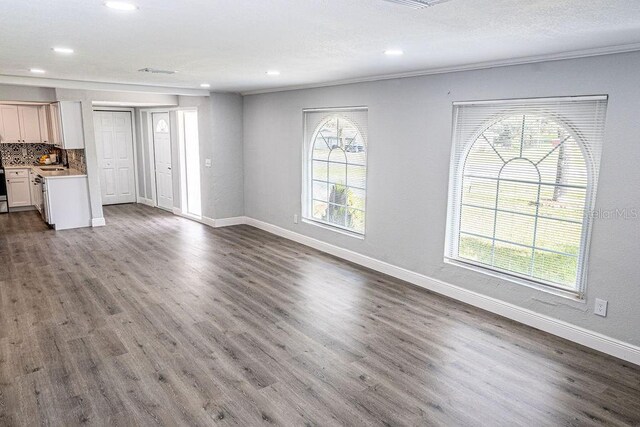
x=189 y=162
x=162 y=159
x=114 y=143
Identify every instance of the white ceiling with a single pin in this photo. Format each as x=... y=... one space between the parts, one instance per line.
x=232 y=43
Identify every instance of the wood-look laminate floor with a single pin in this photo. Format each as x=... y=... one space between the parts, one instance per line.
x=155 y=319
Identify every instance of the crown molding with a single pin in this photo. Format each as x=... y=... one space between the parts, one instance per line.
x=98 y=86
x=585 y=53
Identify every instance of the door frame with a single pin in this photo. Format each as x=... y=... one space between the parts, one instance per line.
x=152 y=150
x=184 y=201
x=134 y=141
x=177 y=170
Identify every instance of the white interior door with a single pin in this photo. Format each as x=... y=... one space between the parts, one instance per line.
x=114 y=141
x=162 y=151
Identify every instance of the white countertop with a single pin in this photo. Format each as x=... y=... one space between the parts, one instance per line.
x=67 y=173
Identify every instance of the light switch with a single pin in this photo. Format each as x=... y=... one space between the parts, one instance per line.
x=207 y=163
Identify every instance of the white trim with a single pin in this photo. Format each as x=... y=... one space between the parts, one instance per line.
x=98 y=86
x=577 y=334
x=584 y=53
x=226 y=222
x=331 y=109
x=98 y=222
x=214 y=223
x=145 y=201
x=142 y=156
x=208 y=221
x=534 y=100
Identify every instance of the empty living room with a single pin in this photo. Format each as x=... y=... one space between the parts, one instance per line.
x=320 y=213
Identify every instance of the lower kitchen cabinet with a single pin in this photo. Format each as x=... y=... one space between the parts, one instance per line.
x=66 y=202
x=18 y=188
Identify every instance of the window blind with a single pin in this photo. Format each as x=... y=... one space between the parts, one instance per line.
x=335 y=167
x=523 y=181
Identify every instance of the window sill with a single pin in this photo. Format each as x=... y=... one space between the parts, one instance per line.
x=519 y=281
x=333 y=228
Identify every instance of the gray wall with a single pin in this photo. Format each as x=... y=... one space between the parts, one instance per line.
x=220 y=134
x=226 y=198
x=410 y=123
x=27 y=93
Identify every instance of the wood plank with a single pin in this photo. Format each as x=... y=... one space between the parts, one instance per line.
x=158 y=320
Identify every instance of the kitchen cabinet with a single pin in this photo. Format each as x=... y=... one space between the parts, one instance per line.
x=66 y=202
x=55 y=127
x=36 y=190
x=22 y=124
x=29 y=121
x=43 y=118
x=9 y=124
x=66 y=126
x=18 y=187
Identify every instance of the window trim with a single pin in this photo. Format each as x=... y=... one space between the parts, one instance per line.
x=307 y=165
x=454 y=207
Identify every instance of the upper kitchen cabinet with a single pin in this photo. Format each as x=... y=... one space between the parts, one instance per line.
x=29 y=121
x=9 y=124
x=43 y=116
x=66 y=130
x=21 y=124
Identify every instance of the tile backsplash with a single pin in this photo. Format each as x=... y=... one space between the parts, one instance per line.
x=76 y=160
x=24 y=154
x=28 y=154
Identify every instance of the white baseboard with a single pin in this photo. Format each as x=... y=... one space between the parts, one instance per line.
x=145 y=201
x=208 y=221
x=226 y=222
x=211 y=222
x=98 y=222
x=588 y=338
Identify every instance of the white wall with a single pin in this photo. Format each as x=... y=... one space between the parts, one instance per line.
x=410 y=123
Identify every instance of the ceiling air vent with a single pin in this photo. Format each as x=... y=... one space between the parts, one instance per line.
x=417 y=4
x=155 y=71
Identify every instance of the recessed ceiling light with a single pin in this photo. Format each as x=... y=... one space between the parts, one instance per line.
x=393 y=52
x=65 y=50
x=37 y=70
x=273 y=73
x=120 y=5
x=205 y=85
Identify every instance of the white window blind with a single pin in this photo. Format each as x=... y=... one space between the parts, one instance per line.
x=522 y=186
x=335 y=167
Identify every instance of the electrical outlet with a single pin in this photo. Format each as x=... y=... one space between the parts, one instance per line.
x=295 y=218
x=207 y=163
x=600 y=308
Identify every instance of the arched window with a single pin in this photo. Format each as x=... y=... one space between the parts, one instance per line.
x=524 y=183
x=336 y=170
x=162 y=126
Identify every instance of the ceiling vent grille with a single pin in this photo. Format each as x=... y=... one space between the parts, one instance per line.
x=155 y=71
x=417 y=4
